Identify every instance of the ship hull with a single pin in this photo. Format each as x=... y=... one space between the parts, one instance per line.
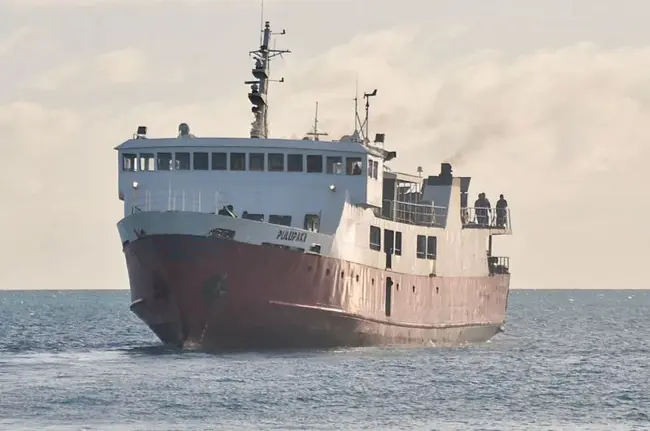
x=212 y=293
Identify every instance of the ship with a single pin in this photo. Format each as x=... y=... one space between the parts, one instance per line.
x=258 y=242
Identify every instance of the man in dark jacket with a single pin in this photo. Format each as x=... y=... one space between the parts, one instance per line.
x=482 y=208
x=502 y=211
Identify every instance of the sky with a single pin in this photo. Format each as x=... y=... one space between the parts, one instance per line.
x=545 y=102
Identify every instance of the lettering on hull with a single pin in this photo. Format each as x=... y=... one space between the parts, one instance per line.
x=290 y=235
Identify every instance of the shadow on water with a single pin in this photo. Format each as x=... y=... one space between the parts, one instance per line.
x=278 y=352
x=155 y=350
x=161 y=350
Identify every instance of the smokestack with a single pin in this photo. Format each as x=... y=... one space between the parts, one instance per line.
x=445 y=170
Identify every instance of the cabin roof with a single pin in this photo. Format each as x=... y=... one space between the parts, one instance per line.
x=289 y=144
x=402 y=176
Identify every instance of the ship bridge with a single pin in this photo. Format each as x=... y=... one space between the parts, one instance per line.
x=284 y=181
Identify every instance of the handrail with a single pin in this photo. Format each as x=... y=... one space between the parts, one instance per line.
x=412 y=213
x=176 y=200
x=498 y=265
x=485 y=218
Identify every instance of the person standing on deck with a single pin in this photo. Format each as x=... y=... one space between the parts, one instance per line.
x=481 y=206
x=502 y=211
x=488 y=210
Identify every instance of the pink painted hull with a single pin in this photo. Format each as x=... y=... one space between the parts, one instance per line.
x=216 y=293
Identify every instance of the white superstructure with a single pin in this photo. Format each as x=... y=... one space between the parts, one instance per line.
x=334 y=198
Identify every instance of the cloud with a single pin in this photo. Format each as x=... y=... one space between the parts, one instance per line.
x=95 y=3
x=562 y=132
x=11 y=41
x=118 y=67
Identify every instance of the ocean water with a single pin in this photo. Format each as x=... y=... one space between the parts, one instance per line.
x=568 y=360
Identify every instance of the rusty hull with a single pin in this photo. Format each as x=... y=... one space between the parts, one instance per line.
x=215 y=293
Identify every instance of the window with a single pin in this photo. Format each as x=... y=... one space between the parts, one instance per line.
x=375 y=169
x=256 y=217
x=315 y=164
x=219 y=161
x=282 y=220
x=432 y=245
x=276 y=162
x=334 y=165
x=369 y=168
x=182 y=161
x=164 y=162
x=398 y=243
x=312 y=222
x=421 y=247
x=375 y=238
x=256 y=161
x=147 y=162
x=201 y=162
x=128 y=162
x=294 y=163
x=353 y=165
x=237 y=161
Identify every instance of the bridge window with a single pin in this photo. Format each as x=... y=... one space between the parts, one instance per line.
x=282 y=220
x=375 y=238
x=369 y=168
x=276 y=162
x=201 y=161
x=314 y=164
x=398 y=243
x=432 y=246
x=421 y=252
x=237 y=161
x=375 y=168
x=256 y=161
x=256 y=217
x=312 y=222
x=295 y=163
x=353 y=165
x=128 y=162
x=182 y=161
x=147 y=162
x=219 y=161
x=164 y=162
x=334 y=165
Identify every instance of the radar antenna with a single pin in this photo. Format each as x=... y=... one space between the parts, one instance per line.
x=316 y=133
x=259 y=87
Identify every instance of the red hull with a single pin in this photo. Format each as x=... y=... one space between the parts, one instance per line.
x=224 y=294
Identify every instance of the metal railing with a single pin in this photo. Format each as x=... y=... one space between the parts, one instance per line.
x=485 y=218
x=176 y=200
x=418 y=214
x=498 y=265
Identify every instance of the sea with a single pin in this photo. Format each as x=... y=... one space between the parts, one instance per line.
x=570 y=360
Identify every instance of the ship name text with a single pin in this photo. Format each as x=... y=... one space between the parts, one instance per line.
x=290 y=235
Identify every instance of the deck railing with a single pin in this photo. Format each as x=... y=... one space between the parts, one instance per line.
x=499 y=265
x=418 y=214
x=485 y=218
x=176 y=200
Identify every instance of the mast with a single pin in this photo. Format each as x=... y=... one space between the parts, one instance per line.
x=316 y=134
x=260 y=86
x=364 y=133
